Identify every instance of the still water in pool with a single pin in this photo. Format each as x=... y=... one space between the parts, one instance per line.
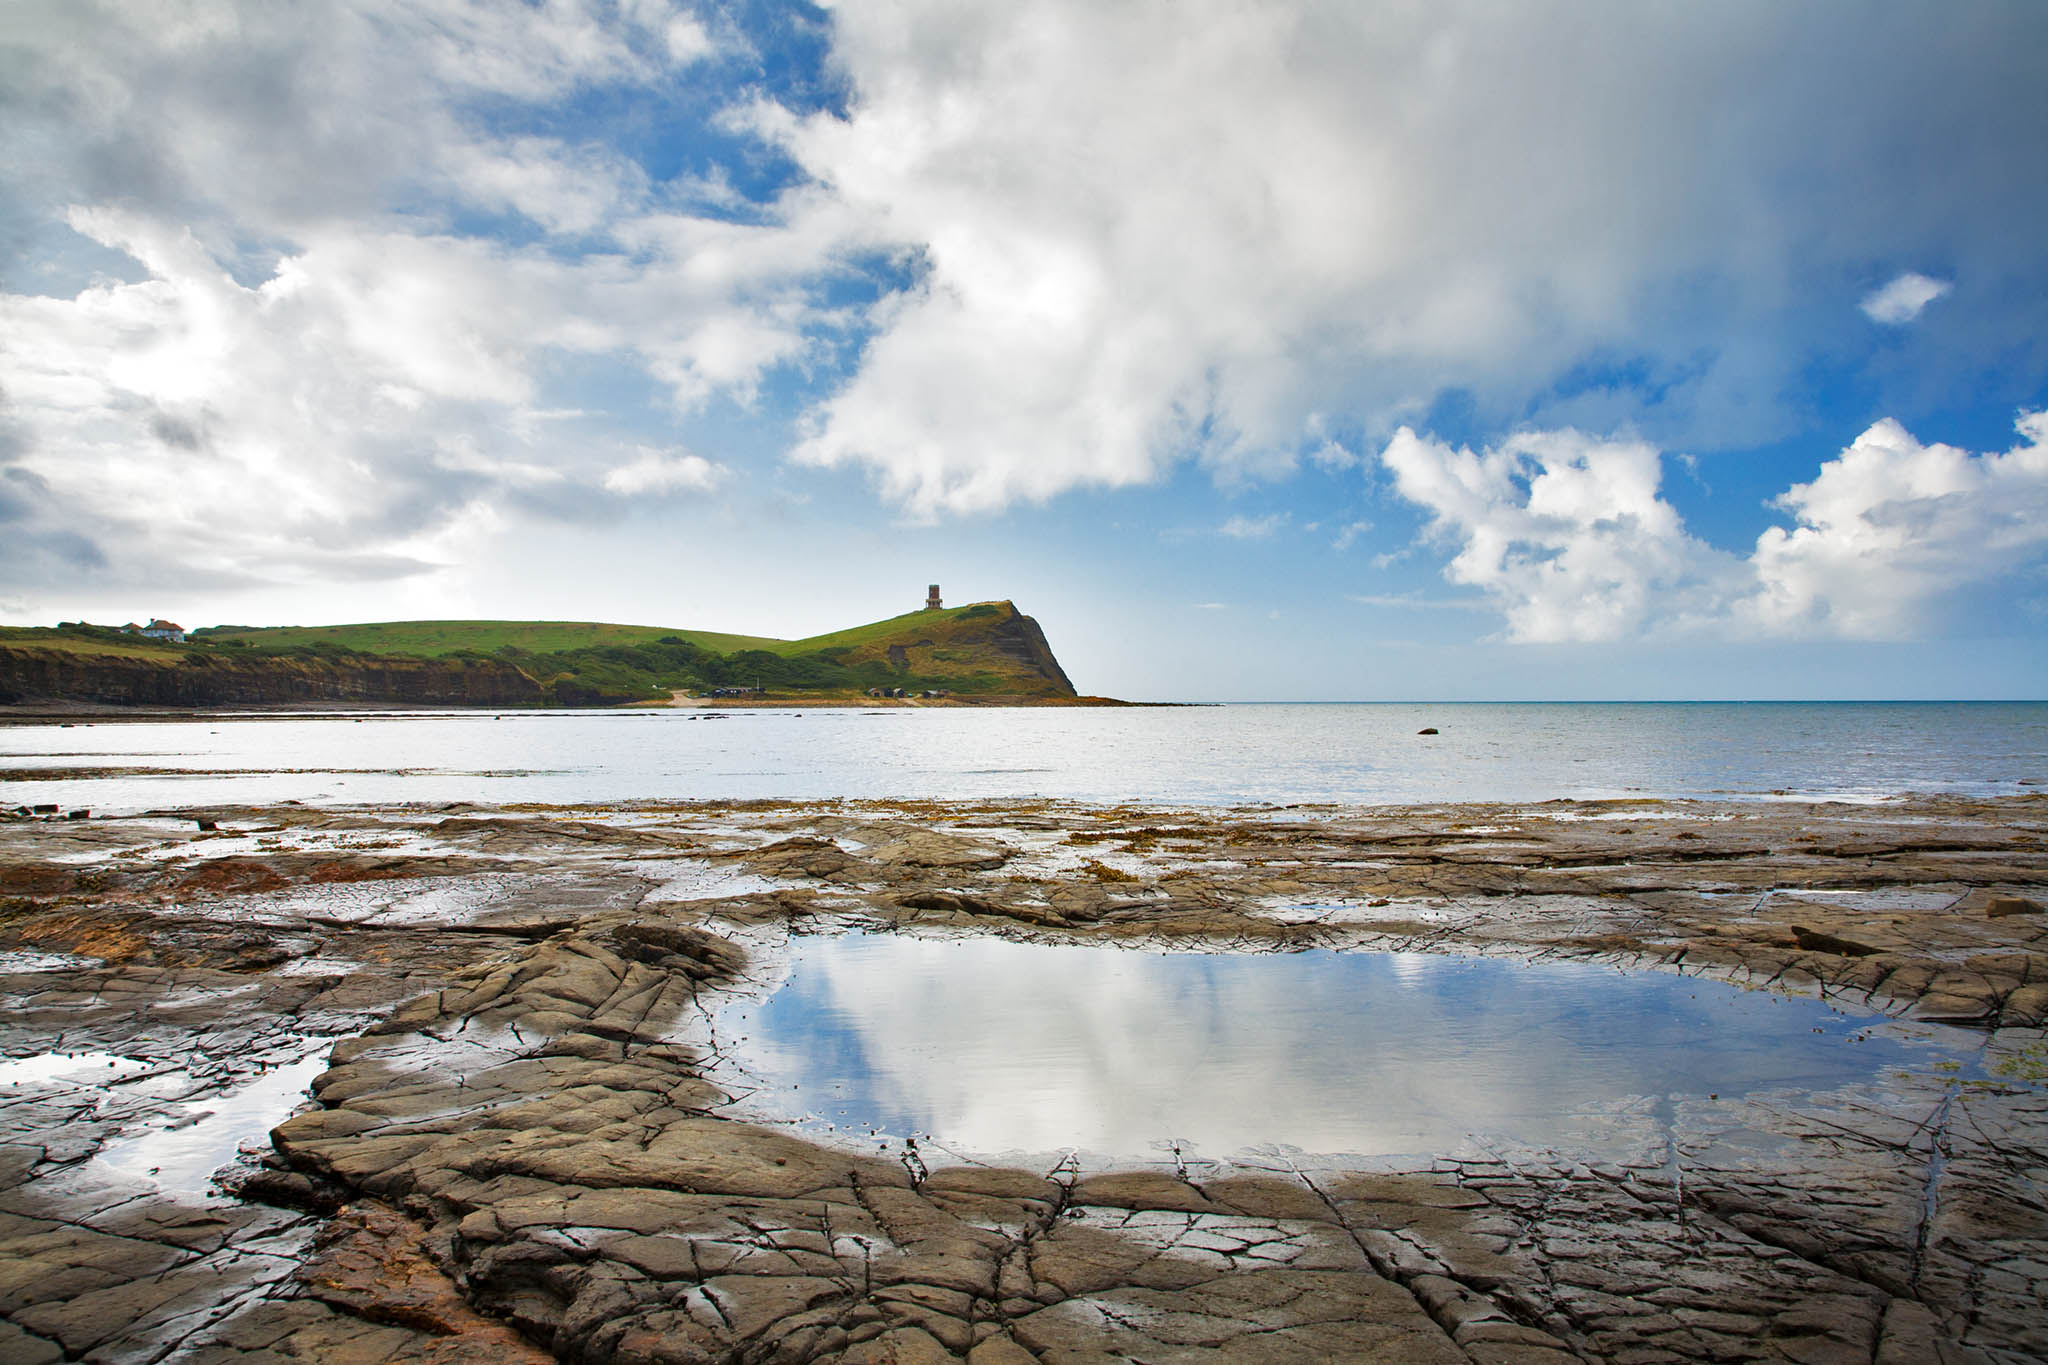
x=990 y=1046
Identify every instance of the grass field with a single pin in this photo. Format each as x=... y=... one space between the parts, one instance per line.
x=434 y=638
x=895 y=627
x=41 y=637
x=982 y=650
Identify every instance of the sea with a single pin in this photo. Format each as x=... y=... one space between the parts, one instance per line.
x=1281 y=754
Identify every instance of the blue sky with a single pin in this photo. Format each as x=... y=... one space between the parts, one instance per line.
x=1309 y=351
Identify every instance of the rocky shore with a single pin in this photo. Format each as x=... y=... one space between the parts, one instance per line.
x=520 y=1144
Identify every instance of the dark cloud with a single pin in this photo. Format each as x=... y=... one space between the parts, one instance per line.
x=177 y=432
x=36 y=547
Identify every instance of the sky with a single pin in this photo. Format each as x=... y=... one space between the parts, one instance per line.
x=1262 y=351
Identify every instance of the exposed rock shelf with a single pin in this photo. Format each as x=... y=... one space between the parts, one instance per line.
x=521 y=1130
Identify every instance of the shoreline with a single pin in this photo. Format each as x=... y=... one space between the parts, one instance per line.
x=41 y=713
x=381 y=937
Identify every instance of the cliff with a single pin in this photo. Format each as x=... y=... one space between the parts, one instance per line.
x=140 y=678
x=990 y=648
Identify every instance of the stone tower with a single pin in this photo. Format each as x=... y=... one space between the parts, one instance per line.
x=931 y=599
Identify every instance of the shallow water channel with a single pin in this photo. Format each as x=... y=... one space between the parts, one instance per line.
x=174 y=1143
x=984 y=1046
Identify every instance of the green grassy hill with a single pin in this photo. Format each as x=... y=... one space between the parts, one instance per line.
x=431 y=639
x=987 y=652
x=97 y=644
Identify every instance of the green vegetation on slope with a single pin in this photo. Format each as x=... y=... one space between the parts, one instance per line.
x=435 y=638
x=431 y=639
x=91 y=641
x=910 y=624
x=987 y=650
x=984 y=650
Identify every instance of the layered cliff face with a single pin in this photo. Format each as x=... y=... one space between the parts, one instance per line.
x=1017 y=637
x=991 y=649
x=169 y=679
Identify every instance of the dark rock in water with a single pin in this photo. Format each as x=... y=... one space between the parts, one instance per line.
x=1813 y=941
x=1427 y=730
x=1998 y=907
x=80 y=814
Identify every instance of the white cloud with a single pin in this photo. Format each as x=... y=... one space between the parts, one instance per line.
x=563 y=189
x=659 y=472
x=1569 y=538
x=1414 y=602
x=306 y=370
x=1890 y=526
x=1147 y=233
x=1565 y=532
x=534 y=51
x=1253 y=528
x=1132 y=236
x=1901 y=301
x=367 y=391
x=1348 y=534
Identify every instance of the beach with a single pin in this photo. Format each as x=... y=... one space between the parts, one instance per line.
x=879 y=684
x=536 y=1131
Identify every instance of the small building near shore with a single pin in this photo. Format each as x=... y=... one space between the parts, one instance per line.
x=157 y=629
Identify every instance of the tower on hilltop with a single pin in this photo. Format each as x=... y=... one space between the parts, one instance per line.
x=931 y=599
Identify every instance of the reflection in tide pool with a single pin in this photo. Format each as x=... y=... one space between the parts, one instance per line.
x=185 y=1155
x=76 y=1068
x=991 y=1046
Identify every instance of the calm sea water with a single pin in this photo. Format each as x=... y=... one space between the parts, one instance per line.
x=1196 y=755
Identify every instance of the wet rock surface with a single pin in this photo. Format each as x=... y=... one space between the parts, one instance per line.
x=516 y=1150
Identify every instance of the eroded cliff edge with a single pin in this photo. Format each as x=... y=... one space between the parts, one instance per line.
x=194 y=680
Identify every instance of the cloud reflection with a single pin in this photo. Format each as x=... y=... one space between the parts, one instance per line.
x=994 y=1046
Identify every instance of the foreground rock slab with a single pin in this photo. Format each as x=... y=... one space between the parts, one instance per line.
x=515 y=1148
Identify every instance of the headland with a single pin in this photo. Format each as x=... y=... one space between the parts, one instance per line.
x=984 y=654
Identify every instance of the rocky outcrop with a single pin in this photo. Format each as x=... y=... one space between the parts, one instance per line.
x=195 y=679
x=1018 y=639
x=522 y=1126
x=989 y=652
